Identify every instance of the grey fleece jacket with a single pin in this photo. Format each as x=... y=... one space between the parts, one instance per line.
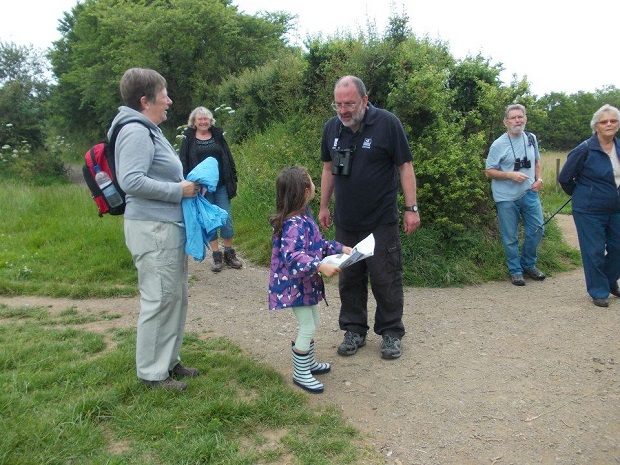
x=148 y=169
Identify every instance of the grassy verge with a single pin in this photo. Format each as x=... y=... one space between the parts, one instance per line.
x=53 y=242
x=71 y=396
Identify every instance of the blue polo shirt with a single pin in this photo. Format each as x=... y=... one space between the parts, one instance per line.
x=368 y=196
x=502 y=155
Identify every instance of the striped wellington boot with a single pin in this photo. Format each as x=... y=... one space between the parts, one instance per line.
x=302 y=376
x=317 y=368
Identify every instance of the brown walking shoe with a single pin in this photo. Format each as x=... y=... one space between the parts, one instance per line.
x=179 y=371
x=231 y=260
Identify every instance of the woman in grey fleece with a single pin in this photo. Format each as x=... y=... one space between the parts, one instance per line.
x=150 y=172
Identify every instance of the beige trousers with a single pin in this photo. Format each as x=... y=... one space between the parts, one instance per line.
x=158 y=252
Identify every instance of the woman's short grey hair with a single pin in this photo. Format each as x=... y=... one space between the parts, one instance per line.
x=604 y=109
x=199 y=111
x=515 y=106
x=140 y=82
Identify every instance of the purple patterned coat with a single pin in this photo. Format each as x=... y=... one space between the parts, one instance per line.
x=294 y=280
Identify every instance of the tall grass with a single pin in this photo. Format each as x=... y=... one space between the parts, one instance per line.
x=553 y=195
x=70 y=396
x=52 y=242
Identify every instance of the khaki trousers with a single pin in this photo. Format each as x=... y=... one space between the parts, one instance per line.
x=158 y=252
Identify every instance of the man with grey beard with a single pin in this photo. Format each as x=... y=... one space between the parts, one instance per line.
x=513 y=165
x=365 y=152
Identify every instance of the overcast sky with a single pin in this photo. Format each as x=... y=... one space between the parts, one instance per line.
x=560 y=46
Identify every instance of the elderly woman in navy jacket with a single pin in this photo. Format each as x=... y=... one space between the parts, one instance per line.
x=592 y=176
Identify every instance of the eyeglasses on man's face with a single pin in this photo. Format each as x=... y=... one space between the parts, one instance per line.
x=605 y=122
x=515 y=118
x=346 y=105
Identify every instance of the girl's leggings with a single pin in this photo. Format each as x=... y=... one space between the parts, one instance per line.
x=308 y=319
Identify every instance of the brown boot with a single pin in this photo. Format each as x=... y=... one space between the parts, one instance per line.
x=231 y=260
x=218 y=261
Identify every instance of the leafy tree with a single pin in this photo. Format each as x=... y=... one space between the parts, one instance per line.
x=563 y=121
x=264 y=95
x=23 y=93
x=398 y=29
x=445 y=141
x=194 y=45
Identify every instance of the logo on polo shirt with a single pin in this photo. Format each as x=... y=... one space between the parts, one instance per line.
x=367 y=143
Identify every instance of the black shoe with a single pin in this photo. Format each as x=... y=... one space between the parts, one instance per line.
x=615 y=292
x=179 y=371
x=517 y=279
x=390 y=347
x=168 y=384
x=535 y=274
x=351 y=342
x=600 y=302
x=218 y=261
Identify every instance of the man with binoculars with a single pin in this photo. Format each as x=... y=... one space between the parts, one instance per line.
x=365 y=153
x=513 y=165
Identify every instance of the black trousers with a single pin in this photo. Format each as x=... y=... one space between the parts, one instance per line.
x=385 y=270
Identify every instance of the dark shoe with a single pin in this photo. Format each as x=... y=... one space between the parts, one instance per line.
x=218 y=261
x=351 y=342
x=615 y=292
x=231 y=260
x=168 y=384
x=390 y=347
x=517 y=279
x=179 y=371
x=535 y=274
x=600 y=302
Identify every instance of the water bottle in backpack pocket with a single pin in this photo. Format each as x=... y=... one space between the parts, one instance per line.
x=108 y=190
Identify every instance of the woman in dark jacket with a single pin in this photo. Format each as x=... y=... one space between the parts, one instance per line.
x=592 y=176
x=202 y=140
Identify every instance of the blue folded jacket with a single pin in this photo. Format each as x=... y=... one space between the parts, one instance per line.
x=202 y=217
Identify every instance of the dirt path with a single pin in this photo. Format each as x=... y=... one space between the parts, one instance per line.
x=490 y=374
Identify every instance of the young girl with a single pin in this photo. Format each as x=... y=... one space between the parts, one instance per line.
x=294 y=281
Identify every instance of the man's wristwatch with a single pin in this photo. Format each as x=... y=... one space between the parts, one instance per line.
x=413 y=208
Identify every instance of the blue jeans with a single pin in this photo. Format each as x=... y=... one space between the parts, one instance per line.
x=220 y=198
x=527 y=207
x=599 y=241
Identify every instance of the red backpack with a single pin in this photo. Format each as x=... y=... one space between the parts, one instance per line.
x=102 y=154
